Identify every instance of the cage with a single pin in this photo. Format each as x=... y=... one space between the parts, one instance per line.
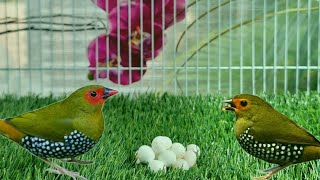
x=180 y=60
x=219 y=47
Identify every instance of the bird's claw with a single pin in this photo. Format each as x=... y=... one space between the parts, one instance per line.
x=73 y=175
x=61 y=170
x=270 y=170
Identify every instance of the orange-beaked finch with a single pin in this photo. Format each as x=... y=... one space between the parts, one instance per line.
x=269 y=135
x=62 y=130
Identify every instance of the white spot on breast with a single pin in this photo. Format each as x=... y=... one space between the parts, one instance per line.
x=264 y=145
x=299 y=152
x=52 y=149
x=268 y=145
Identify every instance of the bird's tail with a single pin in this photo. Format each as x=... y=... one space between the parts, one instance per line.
x=10 y=132
x=311 y=153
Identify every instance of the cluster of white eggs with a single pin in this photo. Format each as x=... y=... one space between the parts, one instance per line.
x=163 y=153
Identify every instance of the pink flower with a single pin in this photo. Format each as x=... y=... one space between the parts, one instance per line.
x=135 y=30
x=97 y=55
x=141 y=31
x=111 y=4
x=168 y=10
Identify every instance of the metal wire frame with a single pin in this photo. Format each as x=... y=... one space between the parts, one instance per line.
x=53 y=61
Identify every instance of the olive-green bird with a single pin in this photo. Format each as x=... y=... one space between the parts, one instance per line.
x=269 y=135
x=62 y=130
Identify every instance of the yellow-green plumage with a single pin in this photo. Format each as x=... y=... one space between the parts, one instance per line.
x=65 y=129
x=269 y=125
x=61 y=118
x=269 y=135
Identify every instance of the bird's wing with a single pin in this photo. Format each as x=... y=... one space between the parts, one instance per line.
x=50 y=122
x=283 y=130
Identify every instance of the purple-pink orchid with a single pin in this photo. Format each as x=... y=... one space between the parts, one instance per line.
x=140 y=29
x=171 y=8
x=103 y=54
x=136 y=34
x=111 y=4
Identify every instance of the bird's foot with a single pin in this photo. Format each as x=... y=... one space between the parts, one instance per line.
x=270 y=172
x=61 y=170
x=73 y=175
x=73 y=160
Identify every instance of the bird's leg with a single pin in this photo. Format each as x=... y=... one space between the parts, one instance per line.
x=61 y=170
x=74 y=160
x=270 y=171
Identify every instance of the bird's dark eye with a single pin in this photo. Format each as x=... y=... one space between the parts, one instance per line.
x=93 y=94
x=243 y=103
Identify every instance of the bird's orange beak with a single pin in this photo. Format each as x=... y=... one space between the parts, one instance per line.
x=108 y=92
x=230 y=105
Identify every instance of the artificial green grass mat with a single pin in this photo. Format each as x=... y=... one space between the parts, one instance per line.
x=133 y=121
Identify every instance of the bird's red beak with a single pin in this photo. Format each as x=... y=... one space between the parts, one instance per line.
x=108 y=92
x=112 y=92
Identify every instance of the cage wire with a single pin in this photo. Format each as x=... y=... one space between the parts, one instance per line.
x=220 y=47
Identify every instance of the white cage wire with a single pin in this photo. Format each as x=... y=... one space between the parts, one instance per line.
x=221 y=47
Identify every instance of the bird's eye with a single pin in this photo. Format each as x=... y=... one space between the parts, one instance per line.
x=93 y=94
x=243 y=103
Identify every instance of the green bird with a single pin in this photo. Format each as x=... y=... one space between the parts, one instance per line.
x=62 y=130
x=269 y=135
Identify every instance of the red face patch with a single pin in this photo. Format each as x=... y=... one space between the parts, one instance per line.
x=241 y=104
x=95 y=96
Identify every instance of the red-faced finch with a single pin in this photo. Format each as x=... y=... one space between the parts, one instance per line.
x=63 y=130
x=269 y=135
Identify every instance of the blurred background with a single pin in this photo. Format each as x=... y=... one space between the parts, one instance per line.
x=220 y=47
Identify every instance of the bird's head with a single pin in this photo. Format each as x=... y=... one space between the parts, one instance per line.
x=92 y=95
x=246 y=105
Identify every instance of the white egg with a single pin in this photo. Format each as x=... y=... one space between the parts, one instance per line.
x=178 y=149
x=144 y=154
x=194 y=148
x=167 y=157
x=190 y=157
x=156 y=165
x=161 y=143
x=181 y=164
